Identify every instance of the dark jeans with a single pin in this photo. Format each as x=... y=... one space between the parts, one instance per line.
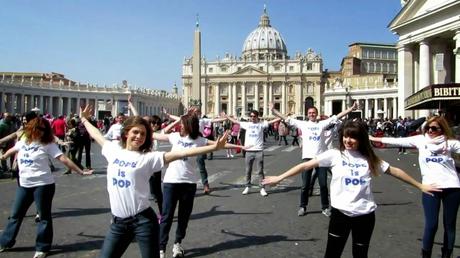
x=73 y=156
x=184 y=194
x=85 y=143
x=340 y=225
x=306 y=181
x=251 y=158
x=43 y=198
x=143 y=227
x=155 y=189
x=200 y=161
x=450 y=198
x=282 y=138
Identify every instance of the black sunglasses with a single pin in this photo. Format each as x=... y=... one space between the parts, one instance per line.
x=433 y=128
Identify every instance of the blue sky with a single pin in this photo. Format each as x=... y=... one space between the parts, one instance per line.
x=145 y=41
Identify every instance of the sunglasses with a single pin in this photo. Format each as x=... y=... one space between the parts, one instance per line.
x=433 y=128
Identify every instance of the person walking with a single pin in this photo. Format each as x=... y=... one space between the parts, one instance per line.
x=435 y=147
x=36 y=184
x=254 y=147
x=283 y=131
x=353 y=167
x=312 y=145
x=130 y=165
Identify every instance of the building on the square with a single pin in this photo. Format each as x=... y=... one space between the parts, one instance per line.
x=263 y=73
x=428 y=57
x=368 y=75
x=55 y=94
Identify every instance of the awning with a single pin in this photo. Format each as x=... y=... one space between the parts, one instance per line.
x=435 y=96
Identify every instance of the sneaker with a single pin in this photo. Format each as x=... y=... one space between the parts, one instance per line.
x=246 y=190
x=263 y=192
x=178 y=251
x=3 y=249
x=162 y=254
x=37 y=218
x=302 y=212
x=327 y=212
x=40 y=254
x=231 y=156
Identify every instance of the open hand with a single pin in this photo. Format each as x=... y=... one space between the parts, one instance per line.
x=271 y=180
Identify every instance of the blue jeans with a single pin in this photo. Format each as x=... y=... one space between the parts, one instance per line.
x=202 y=168
x=305 y=189
x=184 y=194
x=143 y=227
x=43 y=198
x=450 y=198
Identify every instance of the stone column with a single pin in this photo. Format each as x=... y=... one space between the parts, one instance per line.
x=96 y=108
x=457 y=56
x=265 y=94
x=217 y=100
x=20 y=104
x=376 y=107
x=385 y=107
x=405 y=75
x=256 y=96
x=234 y=99
x=270 y=96
x=283 y=98
x=243 y=99
x=395 y=114
x=50 y=106
x=298 y=98
x=41 y=105
x=366 y=108
x=425 y=60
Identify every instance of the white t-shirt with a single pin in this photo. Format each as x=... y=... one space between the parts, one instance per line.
x=351 y=181
x=254 y=135
x=436 y=163
x=128 y=174
x=183 y=170
x=312 y=135
x=33 y=164
x=114 y=133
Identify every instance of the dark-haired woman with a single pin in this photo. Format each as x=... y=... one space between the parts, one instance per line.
x=353 y=166
x=131 y=163
x=36 y=183
x=179 y=182
x=437 y=167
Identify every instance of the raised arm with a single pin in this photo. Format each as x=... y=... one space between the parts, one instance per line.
x=11 y=136
x=273 y=180
x=406 y=178
x=276 y=112
x=180 y=154
x=131 y=106
x=345 y=112
x=170 y=126
x=274 y=120
x=92 y=131
x=233 y=120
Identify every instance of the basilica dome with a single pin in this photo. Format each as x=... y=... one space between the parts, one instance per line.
x=265 y=42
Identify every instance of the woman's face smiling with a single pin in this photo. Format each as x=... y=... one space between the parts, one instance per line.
x=136 y=137
x=350 y=143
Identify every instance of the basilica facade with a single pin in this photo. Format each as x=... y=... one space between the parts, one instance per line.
x=263 y=73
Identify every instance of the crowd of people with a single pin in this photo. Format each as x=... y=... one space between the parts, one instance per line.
x=333 y=146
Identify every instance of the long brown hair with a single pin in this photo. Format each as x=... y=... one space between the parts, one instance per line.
x=357 y=130
x=442 y=122
x=39 y=129
x=191 y=125
x=137 y=121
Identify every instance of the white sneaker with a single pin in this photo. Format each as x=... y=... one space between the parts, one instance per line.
x=302 y=212
x=162 y=254
x=178 y=251
x=246 y=190
x=231 y=156
x=327 y=212
x=40 y=254
x=263 y=192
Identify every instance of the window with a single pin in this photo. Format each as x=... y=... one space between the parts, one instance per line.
x=223 y=69
x=291 y=68
x=261 y=68
x=210 y=69
x=309 y=66
x=277 y=68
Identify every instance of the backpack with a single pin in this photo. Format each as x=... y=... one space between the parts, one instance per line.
x=207 y=131
x=82 y=132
